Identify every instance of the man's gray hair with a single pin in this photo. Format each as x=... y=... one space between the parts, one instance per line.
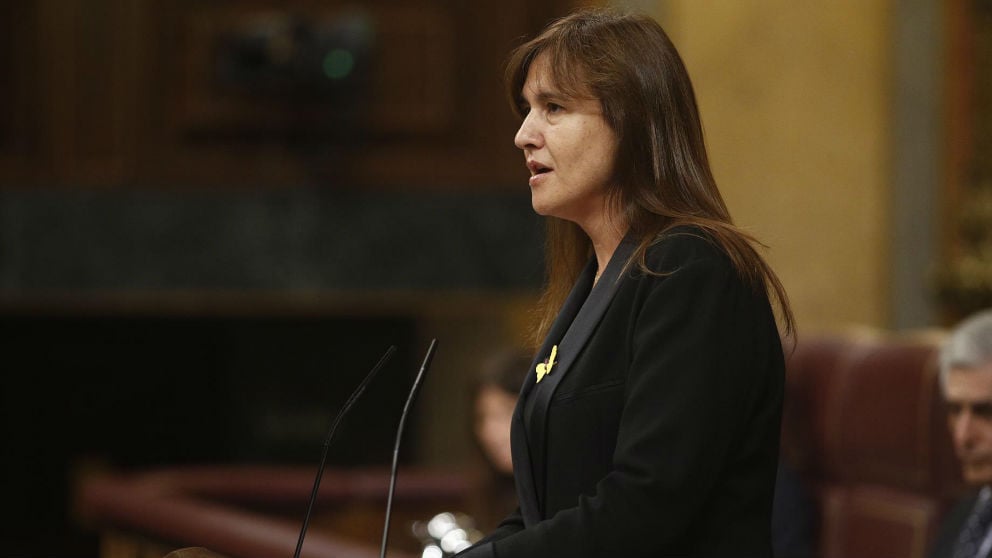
x=969 y=346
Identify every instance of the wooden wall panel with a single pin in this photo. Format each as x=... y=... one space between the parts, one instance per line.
x=86 y=86
x=959 y=112
x=127 y=93
x=429 y=120
x=964 y=282
x=412 y=77
x=20 y=112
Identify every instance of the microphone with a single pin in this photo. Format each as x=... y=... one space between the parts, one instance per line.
x=330 y=434
x=399 y=435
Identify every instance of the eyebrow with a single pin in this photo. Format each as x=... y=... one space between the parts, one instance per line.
x=968 y=402
x=984 y=404
x=543 y=96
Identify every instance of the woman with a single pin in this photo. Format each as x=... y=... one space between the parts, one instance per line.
x=493 y=401
x=649 y=422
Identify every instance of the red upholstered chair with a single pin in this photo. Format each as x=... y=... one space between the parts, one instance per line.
x=865 y=426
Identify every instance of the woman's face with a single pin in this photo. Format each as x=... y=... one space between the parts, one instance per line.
x=569 y=148
x=493 y=414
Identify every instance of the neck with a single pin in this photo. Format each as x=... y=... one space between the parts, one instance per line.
x=605 y=239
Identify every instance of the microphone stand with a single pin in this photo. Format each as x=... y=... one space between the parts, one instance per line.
x=399 y=436
x=327 y=442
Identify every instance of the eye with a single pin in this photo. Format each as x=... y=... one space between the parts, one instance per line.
x=982 y=410
x=554 y=108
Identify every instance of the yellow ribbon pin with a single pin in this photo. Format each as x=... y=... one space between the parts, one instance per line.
x=544 y=368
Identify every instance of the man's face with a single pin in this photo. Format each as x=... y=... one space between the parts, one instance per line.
x=969 y=416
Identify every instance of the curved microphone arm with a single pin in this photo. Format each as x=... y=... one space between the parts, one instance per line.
x=399 y=436
x=327 y=442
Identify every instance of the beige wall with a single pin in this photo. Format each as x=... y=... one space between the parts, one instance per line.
x=795 y=102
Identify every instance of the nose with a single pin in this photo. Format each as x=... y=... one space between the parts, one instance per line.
x=529 y=135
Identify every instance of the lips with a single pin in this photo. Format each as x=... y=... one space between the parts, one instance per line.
x=537 y=168
x=538 y=172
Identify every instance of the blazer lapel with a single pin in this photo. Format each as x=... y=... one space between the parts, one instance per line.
x=585 y=322
x=520 y=451
x=566 y=317
x=571 y=330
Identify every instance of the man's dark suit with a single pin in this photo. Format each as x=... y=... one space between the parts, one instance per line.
x=950 y=528
x=656 y=433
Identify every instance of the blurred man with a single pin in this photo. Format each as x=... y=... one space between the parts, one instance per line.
x=966 y=380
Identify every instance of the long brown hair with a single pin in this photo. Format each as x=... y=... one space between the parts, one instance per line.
x=663 y=176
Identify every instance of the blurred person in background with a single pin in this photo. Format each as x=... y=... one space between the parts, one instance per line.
x=966 y=382
x=493 y=401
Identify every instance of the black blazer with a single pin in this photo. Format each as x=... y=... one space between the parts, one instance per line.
x=658 y=432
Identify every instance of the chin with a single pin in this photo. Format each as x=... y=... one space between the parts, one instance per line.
x=544 y=204
x=978 y=475
x=550 y=211
x=539 y=208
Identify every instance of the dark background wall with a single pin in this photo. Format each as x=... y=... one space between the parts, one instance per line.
x=290 y=239
x=214 y=217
